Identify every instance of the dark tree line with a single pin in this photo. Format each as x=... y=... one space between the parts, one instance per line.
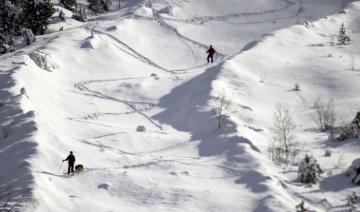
x=30 y=14
x=22 y=16
x=31 y=17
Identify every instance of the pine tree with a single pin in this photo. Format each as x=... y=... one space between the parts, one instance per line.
x=301 y=207
x=61 y=15
x=8 y=18
x=18 y=3
x=309 y=170
x=69 y=4
x=99 y=5
x=8 y=26
x=352 y=199
x=79 y=15
x=342 y=37
x=36 y=14
x=107 y=4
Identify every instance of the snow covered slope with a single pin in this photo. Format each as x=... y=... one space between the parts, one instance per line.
x=144 y=66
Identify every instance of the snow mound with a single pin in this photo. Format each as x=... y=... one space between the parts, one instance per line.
x=353 y=171
x=168 y=10
x=44 y=61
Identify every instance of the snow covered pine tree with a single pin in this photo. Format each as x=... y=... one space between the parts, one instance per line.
x=36 y=14
x=309 y=170
x=343 y=38
x=69 y=4
x=99 y=5
x=8 y=19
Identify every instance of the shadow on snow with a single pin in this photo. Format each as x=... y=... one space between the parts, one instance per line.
x=17 y=146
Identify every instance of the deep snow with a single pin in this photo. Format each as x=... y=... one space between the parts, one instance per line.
x=144 y=66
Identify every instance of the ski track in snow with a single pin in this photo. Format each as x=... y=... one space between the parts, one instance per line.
x=297 y=4
x=81 y=86
x=144 y=59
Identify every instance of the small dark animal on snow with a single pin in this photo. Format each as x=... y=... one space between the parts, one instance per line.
x=79 y=168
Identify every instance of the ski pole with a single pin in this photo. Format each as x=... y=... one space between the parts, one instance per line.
x=61 y=166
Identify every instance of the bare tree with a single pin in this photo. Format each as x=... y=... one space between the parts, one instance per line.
x=345 y=129
x=324 y=116
x=284 y=147
x=221 y=104
x=340 y=161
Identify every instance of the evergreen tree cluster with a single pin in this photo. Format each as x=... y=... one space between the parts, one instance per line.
x=36 y=15
x=69 y=4
x=15 y=15
x=99 y=6
x=9 y=17
x=79 y=15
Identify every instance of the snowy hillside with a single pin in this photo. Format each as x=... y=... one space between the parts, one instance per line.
x=131 y=94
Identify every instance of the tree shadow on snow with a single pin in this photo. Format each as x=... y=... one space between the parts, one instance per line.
x=254 y=180
x=336 y=183
x=16 y=138
x=185 y=110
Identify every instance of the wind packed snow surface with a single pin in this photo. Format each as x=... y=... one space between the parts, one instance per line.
x=131 y=94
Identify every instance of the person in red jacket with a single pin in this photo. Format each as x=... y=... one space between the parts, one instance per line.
x=211 y=51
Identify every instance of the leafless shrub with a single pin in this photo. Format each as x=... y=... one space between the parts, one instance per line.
x=324 y=116
x=221 y=104
x=284 y=148
x=346 y=130
x=340 y=161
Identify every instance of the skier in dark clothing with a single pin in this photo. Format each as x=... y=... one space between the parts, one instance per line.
x=211 y=51
x=71 y=161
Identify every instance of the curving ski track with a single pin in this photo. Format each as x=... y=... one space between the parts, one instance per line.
x=81 y=86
